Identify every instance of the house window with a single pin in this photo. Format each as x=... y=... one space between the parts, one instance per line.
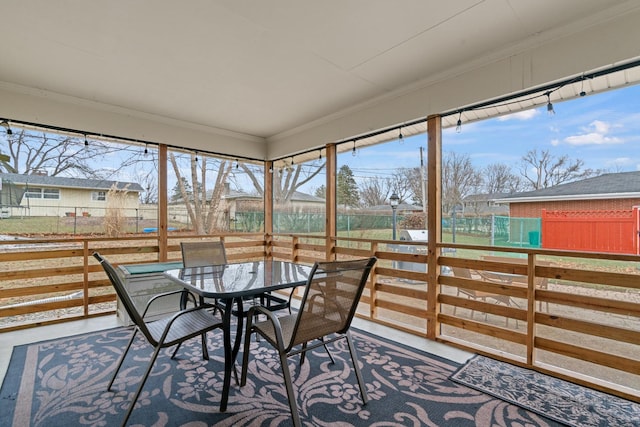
x=42 y=193
x=100 y=196
x=51 y=193
x=33 y=193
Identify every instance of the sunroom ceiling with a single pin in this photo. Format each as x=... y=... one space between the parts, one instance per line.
x=262 y=69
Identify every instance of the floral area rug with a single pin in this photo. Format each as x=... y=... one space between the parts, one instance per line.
x=554 y=398
x=63 y=382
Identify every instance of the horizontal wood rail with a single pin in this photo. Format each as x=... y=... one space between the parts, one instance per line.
x=570 y=314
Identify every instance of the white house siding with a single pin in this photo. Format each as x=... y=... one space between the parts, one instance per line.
x=73 y=201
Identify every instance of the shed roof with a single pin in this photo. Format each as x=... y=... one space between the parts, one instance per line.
x=621 y=185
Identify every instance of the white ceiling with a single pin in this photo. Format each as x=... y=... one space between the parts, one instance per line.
x=264 y=68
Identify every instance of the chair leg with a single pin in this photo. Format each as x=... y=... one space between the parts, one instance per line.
x=142 y=382
x=546 y=303
x=184 y=297
x=176 y=350
x=333 y=362
x=289 y=386
x=245 y=355
x=205 y=352
x=511 y=301
x=124 y=354
x=303 y=353
x=356 y=368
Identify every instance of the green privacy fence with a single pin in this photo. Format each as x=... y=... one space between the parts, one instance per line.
x=523 y=232
x=499 y=230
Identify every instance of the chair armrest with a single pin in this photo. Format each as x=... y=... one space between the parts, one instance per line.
x=275 y=302
x=166 y=294
x=496 y=278
x=262 y=310
x=271 y=317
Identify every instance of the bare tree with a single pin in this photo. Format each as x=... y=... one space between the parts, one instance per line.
x=543 y=169
x=498 y=178
x=414 y=179
x=205 y=208
x=401 y=184
x=31 y=152
x=405 y=182
x=149 y=182
x=375 y=191
x=286 y=181
x=459 y=179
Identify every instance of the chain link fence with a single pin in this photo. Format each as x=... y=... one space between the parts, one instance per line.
x=496 y=230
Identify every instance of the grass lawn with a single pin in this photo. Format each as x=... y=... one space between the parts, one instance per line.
x=52 y=225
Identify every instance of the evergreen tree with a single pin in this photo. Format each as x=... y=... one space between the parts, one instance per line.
x=347 y=191
x=321 y=192
x=176 y=193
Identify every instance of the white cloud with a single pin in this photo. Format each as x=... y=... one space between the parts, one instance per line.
x=595 y=134
x=600 y=126
x=555 y=142
x=520 y=115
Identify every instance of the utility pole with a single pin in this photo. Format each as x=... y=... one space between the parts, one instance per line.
x=423 y=182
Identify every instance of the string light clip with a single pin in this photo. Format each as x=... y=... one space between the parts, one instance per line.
x=550 y=110
x=459 y=123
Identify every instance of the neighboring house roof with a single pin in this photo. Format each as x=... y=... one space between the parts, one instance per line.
x=484 y=197
x=624 y=185
x=304 y=197
x=485 y=204
x=62 y=182
x=234 y=194
x=241 y=195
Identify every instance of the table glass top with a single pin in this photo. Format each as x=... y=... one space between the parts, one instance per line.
x=241 y=279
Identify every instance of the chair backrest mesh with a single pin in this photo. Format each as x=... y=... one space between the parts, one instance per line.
x=331 y=298
x=203 y=254
x=461 y=272
x=125 y=299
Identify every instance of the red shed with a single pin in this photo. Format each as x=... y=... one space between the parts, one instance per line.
x=594 y=214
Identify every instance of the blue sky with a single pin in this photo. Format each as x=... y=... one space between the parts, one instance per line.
x=601 y=129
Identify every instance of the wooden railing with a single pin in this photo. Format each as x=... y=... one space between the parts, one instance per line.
x=44 y=281
x=574 y=315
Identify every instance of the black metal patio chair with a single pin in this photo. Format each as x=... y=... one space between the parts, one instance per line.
x=326 y=310
x=166 y=332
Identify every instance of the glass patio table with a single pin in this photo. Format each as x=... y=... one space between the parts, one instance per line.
x=231 y=283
